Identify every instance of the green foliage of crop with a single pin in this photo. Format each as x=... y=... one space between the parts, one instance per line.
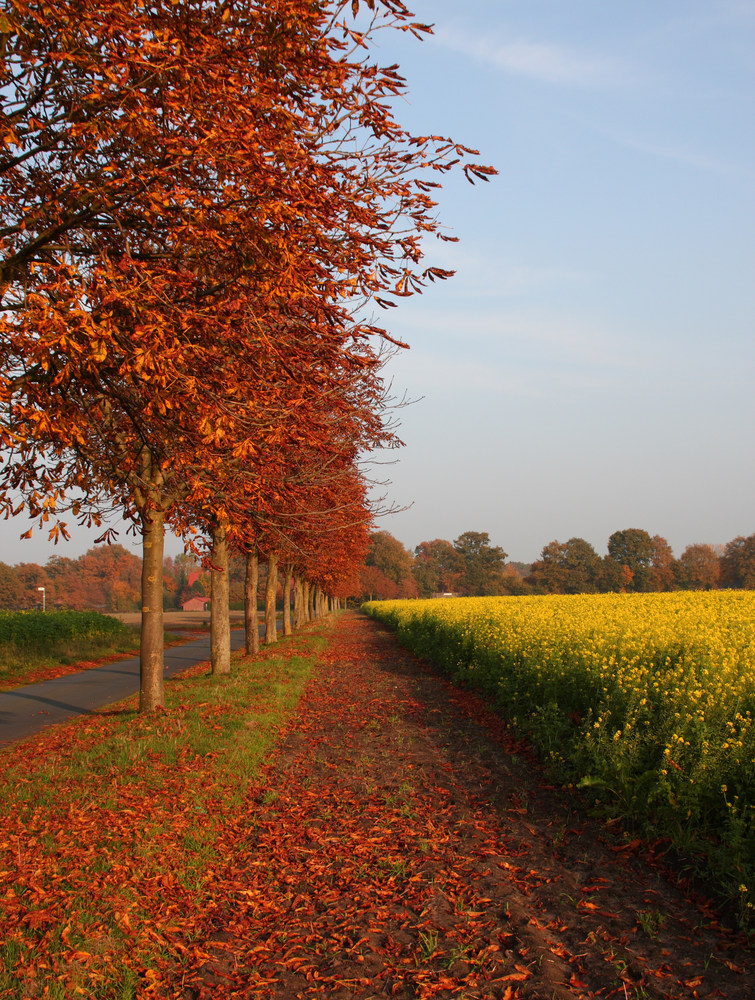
x=43 y=630
x=644 y=701
x=32 y=640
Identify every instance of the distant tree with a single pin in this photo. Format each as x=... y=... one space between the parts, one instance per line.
x=614 y=577
x=170 y=583
x=388 y=555
x=522 y=568
x=698 y=568
x=437 y=567
x=237 y=575
x=738 y=563
x=662 y=575
x=513 y=581
x=122 y=596
x=572 y=567
x=482 y=573
x=11 y=588
x=66 y=584
x=104 y=565
x=374 y=585
x=582 y=567
x=634 y=549
x=30 y=577
x=549 y=572
x=105 y=578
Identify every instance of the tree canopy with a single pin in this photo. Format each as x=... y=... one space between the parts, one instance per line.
x=202 y=203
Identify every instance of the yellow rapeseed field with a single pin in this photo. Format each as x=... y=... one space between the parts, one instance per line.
x=647 y=698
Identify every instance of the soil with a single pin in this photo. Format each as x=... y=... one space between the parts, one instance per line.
x=404 y=844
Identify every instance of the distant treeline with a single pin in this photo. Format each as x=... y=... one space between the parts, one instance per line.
x=106 y=578
x=471 y=566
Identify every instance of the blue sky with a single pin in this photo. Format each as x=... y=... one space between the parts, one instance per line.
x=590 y=366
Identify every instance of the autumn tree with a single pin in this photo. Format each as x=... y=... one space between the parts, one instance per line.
x=634 y=549
x=738 y=563
x=437 y=567
x=482 y=564
x=662 y=575
x=698 y=568
x=374 y=585
x=614 y=577
x=12 y=596
x=389 y=556
x=583 y=567
x=198 y=243
x=30 y=577
x=572 y=567
x=548 y=573
x=306 y=498
x=513 y=582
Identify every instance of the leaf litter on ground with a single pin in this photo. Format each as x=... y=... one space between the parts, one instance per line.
x=389 y=838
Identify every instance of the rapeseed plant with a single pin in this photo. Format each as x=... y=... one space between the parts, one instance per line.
x=649 y=697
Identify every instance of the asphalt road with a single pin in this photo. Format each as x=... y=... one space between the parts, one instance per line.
x=28 y=710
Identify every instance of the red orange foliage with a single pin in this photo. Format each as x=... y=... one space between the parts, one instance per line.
x=198 y=198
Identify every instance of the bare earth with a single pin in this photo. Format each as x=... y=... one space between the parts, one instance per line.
x=179 y=619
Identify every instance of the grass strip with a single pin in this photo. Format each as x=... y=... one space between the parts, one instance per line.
x=113 y=826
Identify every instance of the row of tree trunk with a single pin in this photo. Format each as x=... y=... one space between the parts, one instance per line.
x=309 y=602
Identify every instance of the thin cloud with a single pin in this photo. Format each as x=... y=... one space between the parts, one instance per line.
x=542 y=61
x=699 y=161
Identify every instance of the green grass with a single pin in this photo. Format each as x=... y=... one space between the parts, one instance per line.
x=181 y=776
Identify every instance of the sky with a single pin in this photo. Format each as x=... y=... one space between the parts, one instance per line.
x=591 y=365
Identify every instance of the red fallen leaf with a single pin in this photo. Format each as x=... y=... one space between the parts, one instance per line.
x=516 y=977
x=733 y=967
x=691 y=983
x=39 y=917
x=631 y=846
x=577 y=983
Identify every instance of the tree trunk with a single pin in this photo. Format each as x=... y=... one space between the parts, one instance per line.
x=299 y=618
x=151 y=663
x=288 y=573
x=271 y=589
x=251 y=584
x=220 y=624
x=311 y=602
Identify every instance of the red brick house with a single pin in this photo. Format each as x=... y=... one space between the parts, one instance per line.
x=195 y=604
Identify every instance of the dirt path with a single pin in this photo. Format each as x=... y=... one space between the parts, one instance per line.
x=404 y=845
